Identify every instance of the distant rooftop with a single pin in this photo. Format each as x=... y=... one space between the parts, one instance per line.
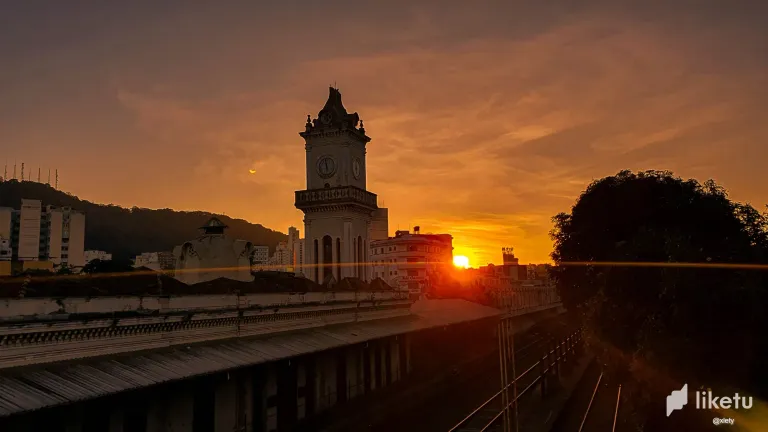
x=214 y=226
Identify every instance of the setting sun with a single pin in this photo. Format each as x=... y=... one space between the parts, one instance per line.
x=461 y=261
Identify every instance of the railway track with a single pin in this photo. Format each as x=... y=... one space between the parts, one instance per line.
x=594 y=405
x=531 y=360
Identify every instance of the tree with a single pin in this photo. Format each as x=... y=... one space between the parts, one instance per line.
x=107 y=266
x=127 y=232
x=651 y=319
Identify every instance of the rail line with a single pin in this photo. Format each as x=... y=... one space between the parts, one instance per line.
x=594 y=406
x=491 y=413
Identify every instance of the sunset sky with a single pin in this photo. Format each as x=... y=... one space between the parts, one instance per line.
x=486 y=118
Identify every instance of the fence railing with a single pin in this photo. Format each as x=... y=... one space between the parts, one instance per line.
x=546 y=368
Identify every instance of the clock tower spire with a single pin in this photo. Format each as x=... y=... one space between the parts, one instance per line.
x=336 y=204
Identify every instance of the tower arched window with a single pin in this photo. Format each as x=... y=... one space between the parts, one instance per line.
x=314 y=263
x=360 y=257
x=338 y=258
x=327 y=257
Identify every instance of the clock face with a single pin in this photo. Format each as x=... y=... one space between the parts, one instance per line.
x=356 y=168
x=326 y=117
x=326 y=166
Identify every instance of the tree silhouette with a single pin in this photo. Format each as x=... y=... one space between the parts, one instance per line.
x=108 y=266
x=127 y=232
x=665 y=322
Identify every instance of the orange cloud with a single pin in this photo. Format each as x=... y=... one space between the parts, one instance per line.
x=485 y=122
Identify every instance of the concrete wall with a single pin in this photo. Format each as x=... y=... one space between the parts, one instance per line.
x=45 y=307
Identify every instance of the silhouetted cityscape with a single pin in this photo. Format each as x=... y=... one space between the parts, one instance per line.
x=575 y=235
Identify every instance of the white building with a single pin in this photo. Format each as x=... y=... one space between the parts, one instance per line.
x=5 y=249
x=336 y=204
x=298 y=258
x=282 y=259
x=91 y=255
x=293 y=236
x=213 y=255
x=29 y=247
x=408 y=260
x=146 y=259
x=69 y=226
x=156 y=261
x=288 y=256
x=6 y=228
x=44 y=234
x=380 y=225
x=260 y=255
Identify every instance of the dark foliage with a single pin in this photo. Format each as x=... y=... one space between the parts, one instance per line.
x=667 y=324
x=110 y=266
x=126 y=233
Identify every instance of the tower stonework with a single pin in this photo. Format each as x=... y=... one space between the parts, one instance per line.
x=337 y=207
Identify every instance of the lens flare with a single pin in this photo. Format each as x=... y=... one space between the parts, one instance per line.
x=461 y=261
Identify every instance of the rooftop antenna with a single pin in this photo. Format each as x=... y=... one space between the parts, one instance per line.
x=22 y=171
x=49 y=177
x=57 y=180
x=14 y=170
x=38 y=174
x=5 y=171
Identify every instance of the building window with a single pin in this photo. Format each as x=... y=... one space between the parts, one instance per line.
x=314 y=262
x=338 y=258
x=360 y=258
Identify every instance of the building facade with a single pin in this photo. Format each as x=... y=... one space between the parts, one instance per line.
x=511 y=284
x=213 y=255
x=288 y=256
x=91 y=255
x=260 y=256
x=336 y=203
x=5 y=249
x=282 y=259
x=37 y=233
x=157 y=261
x=380 y=225
x=408 y=260
x=298 y=258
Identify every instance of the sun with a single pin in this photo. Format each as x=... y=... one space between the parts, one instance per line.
x=461 y=261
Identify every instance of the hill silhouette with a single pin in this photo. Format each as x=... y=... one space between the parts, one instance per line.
x=125 y=232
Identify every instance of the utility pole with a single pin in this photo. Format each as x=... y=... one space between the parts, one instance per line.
x=22 y=171
x=57 y=180
x=38 y=174
x=49 y=177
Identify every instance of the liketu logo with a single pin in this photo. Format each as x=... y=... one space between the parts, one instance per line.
x=704 y=400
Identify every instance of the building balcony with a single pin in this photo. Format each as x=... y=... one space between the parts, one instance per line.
x=340 y=195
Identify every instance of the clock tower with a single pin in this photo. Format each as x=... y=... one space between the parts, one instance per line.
x=337 y=207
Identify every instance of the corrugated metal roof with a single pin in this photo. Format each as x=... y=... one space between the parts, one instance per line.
x=35 y=387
